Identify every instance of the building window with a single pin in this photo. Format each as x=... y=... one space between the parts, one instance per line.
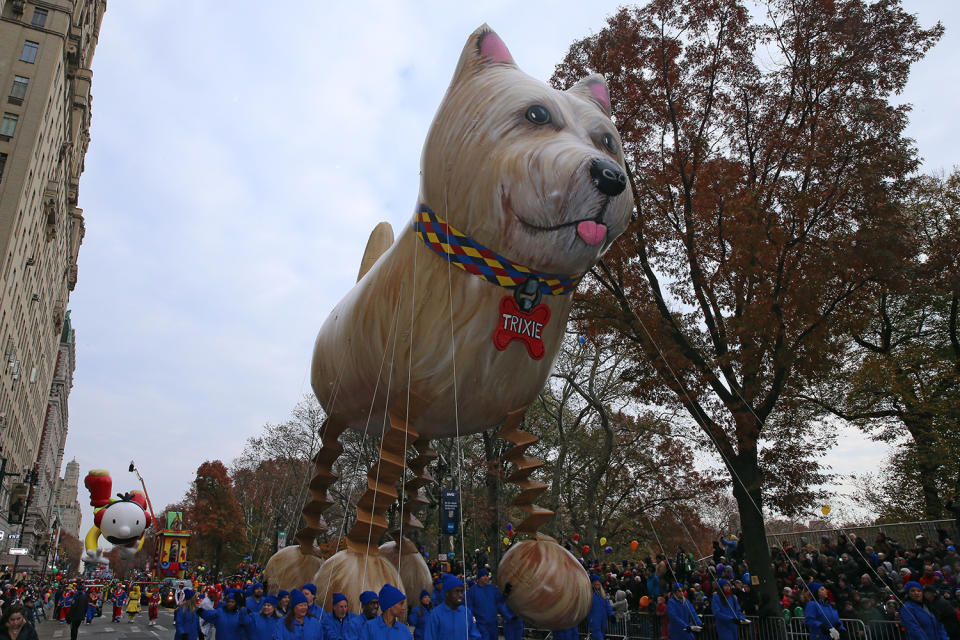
x=29 y=51
x=3 y=163
x=19 y=89
x=8 y=126
x=39 y=17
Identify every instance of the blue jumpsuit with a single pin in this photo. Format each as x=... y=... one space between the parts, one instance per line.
x=186 y=623
x=254 y=605
x=309 y=629
x=377 y=629
x=226 y=623
x=347 y=629
x=512 y=623
x=921 y=623
x=445 y=623
x=598 y=618
x=817 y=614
x=417 y=618
x=726 y=611
x=259 y=626
x=680 y=615
x=482 y=601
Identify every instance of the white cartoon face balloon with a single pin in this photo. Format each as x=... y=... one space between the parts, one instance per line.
x=123 y=522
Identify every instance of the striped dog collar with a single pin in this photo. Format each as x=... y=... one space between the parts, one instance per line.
x=473 y=257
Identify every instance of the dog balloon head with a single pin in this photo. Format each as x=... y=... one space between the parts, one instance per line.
x=531 y=172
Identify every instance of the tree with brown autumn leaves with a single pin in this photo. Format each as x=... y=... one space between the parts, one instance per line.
x=765 y=158
x=212 y=513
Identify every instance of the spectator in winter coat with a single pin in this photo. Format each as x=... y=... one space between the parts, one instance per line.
x=683 y=620
x=918 y=620
x=726 y=611
x=600 y=610
x=821 y=618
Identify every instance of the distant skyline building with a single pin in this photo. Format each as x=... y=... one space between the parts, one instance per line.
x=46 y=51
x=67 y=507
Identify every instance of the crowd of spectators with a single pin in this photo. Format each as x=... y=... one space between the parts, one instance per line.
x=865 y=580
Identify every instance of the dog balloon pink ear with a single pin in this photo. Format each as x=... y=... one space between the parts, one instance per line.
x=594 y=88
x=491 y=46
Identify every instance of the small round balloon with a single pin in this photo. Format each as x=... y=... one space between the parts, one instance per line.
x=644 y=601
x=608 y=550
x=746 y=578
x=581 y=339
x=634 y=544
x=586 y=549
x=506 y=540
x=825 y=509
x=720 y=568
x=509 y=526
x=511 y=533
x=603 y=541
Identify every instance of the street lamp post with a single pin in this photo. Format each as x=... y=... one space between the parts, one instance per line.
x=31 y=477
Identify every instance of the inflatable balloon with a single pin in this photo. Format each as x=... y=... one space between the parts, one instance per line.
x=522 y=189
x=509 y=526
x=825 y=509
x=644 y=601
x=608 y=550
x=512 y=532
x=576 y=537
x=634 y=544
x=603 y=541
x=586 y=549
x=720 y=568
x=121 y=520
x=506 y=540
x=746 y=578
x=581 y=339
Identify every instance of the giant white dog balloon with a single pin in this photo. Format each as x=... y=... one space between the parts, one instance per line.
x=453 y=327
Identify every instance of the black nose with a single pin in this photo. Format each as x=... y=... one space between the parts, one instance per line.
x=608 y=177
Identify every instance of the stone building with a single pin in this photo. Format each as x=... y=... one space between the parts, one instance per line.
x=67 y=506
x=46 y=51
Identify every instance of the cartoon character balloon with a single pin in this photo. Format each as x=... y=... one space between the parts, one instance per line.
x=121 y=520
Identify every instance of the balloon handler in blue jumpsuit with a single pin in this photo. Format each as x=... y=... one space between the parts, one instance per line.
x=482 y=600
x=683 y=620
x=600 y=610
x=726 y=611
x=452 y=618
x=820 y=616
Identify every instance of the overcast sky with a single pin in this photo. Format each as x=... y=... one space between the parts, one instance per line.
x=240 y=155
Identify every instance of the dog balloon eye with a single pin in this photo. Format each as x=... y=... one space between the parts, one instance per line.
x=609 y=142
x=538 y=114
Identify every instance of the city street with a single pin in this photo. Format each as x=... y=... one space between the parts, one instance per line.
x=102 y=628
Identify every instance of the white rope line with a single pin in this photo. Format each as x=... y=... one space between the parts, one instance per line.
x=403 y=474
x=456 y=420
x=356 y=467
x=384 y=427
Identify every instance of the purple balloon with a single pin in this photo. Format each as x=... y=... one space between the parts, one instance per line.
x=720 y=568
x=608 y=550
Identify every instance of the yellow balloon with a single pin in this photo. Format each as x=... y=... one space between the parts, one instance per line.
x=603 y=541
x=825 y=509
x=506 y=540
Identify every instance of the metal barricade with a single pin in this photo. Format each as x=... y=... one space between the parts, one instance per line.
x=647 y=626
x=854 y=629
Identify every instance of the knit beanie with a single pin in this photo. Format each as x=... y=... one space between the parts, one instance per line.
x=389 y=596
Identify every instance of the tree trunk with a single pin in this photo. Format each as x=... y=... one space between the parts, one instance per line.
x=754 y=531
x=928 y=463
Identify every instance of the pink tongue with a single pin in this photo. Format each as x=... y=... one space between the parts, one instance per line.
x=591 y=232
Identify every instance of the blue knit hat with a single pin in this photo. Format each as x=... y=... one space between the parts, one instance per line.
x=451 y=581
x=389 y=596
x=312 y=588
x=482 y=572
x=339 y=597
x=271 y=599
x=367 y=596
x=283 y=593
x=257 y=585
x=814 y=587
x=722 y=583
x=913 y=584
x=297 y=597
x=677 y=585
x=189 y=593
x=595 y=578
x=424 y=593
x=234 y=594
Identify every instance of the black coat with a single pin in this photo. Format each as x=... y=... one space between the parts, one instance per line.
x=26 y=633
x=78 y=610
